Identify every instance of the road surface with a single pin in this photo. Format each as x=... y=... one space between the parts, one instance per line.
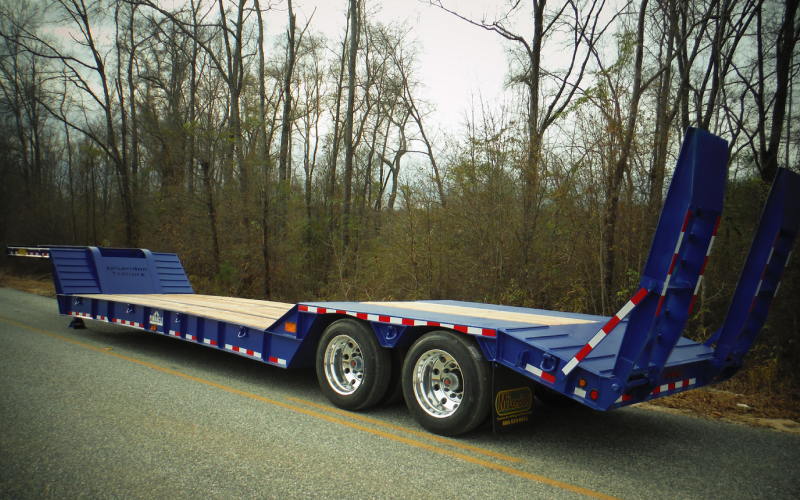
x=113 y=412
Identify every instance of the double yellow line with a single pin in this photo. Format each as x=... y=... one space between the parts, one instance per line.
x=394 y=437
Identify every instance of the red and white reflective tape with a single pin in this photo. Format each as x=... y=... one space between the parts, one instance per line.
x=210 y=342
x=541 y=374
x=174 y=333
x=277 y=361
x=242 y=350
x=705 y=262
x=80 y=314
x=674 y=385
x=191 y=337
x=585 y=350
x=128 y=323
x=789 y=256
x=764 y=272
x=103 y=318
x=623 y=398
x=674 y=259
x=29 y=252
x=486 y=332
x=683 y=384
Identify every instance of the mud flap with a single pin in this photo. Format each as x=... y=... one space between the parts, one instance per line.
x=512 y=400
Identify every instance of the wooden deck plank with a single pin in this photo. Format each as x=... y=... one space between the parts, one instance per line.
x=256 y=318
x=475 y=312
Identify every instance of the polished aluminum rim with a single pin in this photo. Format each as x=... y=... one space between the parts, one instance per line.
x=438 y=383
x=344 y=365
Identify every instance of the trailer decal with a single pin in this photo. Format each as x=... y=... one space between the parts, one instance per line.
x=541 y=374
x=379 y=318
x=705 y=262
x=241 y=350
x=585 y=350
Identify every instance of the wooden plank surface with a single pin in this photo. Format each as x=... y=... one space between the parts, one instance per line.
x=475 y=312
x=258 y=314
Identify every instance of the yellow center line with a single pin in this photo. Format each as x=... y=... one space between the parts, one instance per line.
x=352 y=425
x=399 y=428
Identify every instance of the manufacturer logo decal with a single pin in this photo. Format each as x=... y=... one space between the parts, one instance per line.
x=117 y=271
x=156 y=319
x=513 y=401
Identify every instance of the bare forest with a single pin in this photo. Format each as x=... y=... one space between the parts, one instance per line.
x=299 y=165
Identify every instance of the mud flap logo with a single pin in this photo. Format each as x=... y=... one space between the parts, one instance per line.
x=513 y=401
x=156 y=319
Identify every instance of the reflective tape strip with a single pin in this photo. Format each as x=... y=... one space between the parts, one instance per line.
x=29 y=252
x=242 y=350
x=541 y=374
x=191 y=337
x=623 y=398
x=705 y=262
x=278 y=361
x=778 y=286
x=80 y=314
x=128 y=323
x=579 y=392
x=210 y=342
x=674 y=259
x=764 y=272
x=102 y=318
x=174 y=333
x=380 y=318
x=600 y=335
x=674 y=385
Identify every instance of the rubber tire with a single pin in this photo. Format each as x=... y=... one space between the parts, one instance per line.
x=475 y=370
x=553 y=398
x=377 y=366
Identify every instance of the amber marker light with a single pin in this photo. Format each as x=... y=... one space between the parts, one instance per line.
x=290 y=327
x=582 y=382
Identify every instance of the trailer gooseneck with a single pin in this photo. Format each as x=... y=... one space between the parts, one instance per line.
x=457 y=362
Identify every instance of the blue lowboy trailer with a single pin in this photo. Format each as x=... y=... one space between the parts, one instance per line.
x=459 y=364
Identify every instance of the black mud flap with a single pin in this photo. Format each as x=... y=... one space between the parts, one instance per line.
x=512 y=400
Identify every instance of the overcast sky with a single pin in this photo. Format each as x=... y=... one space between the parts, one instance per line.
x=457 y=59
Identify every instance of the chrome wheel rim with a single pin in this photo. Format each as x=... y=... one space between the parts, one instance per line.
x=438 y=383
x=344 y=365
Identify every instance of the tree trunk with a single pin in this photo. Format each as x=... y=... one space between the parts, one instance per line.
x=348 y=133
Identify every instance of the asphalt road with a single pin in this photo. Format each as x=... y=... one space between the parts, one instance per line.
x=113 y=412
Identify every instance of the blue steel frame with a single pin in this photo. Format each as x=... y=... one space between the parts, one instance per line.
x=641 y=358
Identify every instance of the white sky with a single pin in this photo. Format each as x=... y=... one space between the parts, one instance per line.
x=458 y=60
